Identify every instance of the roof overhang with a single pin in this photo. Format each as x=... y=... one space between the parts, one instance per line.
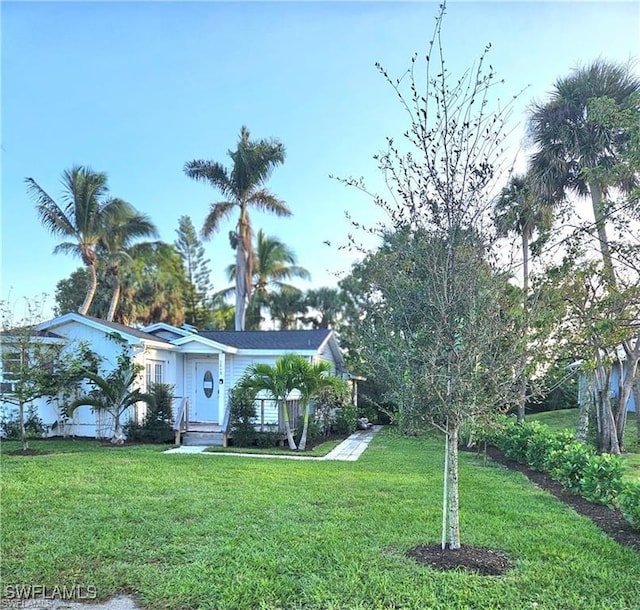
x=107 y=330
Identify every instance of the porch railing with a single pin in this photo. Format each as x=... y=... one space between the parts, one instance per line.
x=181 y=421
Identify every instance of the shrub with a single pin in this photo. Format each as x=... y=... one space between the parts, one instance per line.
x=33 y=425
x=570 y=464
x=267 y=439
x=157 y=426
x=242 y=416
x=346 y=420
x=326 y=405
x=629 y=502
x=602 y=478
x=314 y=432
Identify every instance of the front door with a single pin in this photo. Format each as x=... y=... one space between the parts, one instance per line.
x=206 y=381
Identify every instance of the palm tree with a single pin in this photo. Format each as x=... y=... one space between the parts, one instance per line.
x=115 y=245
x=286 y=306
x=517 y=210
x=274 y=262
x=82 y=217
x=242 y=187
x=279 y=380
x=574 y=148
x=114 y=393
x=329 y=304
x=311 y=379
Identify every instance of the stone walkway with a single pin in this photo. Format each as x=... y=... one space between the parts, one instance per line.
x=348 y=450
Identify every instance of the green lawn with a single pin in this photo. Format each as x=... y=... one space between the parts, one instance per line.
x=193 y=531
x=568 y=418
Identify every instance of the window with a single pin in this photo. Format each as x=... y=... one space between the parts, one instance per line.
x=154 y=372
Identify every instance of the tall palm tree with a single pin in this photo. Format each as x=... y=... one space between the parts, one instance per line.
x=81 y=218
x=115 y=245
x=274 y=263
x=518 y=210
x=574 y=148
x=243 y=188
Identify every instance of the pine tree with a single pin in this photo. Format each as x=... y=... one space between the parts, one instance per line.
x=196 y=268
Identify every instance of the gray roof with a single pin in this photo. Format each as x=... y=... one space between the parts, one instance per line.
x=129 y=330
x=293 y=340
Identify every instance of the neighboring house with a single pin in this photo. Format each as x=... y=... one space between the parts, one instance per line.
x=202 y=366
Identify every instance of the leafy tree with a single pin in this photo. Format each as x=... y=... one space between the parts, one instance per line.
x=71 y=291
x=35 y=364
x=196 y=268
x=114 y=393
x=83 y=217
x=243 y=188
x=437 y=323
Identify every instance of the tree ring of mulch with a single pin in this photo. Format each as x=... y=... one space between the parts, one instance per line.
x=485 y=562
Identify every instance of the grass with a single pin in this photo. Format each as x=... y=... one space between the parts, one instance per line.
x=568 y=418
x=319 y=450
x=185 y=531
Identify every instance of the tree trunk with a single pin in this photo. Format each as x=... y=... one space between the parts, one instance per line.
x=23 y=431
x=583 y=419
x=115 y=297
x=91 y=291
x=607 y=434
x=522 y=395
x=305 y=428
x=453 y=514
x=599 y=214
x=243 y=269
x=287 y=426
x=636 y=400
x=628 y=377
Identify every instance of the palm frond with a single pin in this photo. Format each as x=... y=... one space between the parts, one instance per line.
x=217 y=212
x=265 y=200
x=212 y=172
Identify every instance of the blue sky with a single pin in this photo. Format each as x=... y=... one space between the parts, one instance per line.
x=136 y=89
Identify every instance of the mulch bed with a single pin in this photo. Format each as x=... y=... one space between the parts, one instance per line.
x=489 y=562
x=610 y=521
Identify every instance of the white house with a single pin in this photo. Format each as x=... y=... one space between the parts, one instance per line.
x=202 y=366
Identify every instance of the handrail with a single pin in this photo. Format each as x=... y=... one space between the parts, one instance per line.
x=182 y=417
x=225 y=424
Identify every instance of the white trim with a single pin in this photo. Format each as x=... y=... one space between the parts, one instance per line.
x=276 y=352
x=221 y=347
x=164 y=326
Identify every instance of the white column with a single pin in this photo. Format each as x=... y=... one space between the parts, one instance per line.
x=222 y=390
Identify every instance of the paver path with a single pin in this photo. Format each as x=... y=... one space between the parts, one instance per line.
x=349 y=450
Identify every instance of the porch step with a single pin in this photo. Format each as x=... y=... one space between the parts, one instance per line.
x=209 y=437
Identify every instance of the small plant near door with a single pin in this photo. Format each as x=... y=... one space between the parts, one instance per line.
x=243 y=413
x=157 y=424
